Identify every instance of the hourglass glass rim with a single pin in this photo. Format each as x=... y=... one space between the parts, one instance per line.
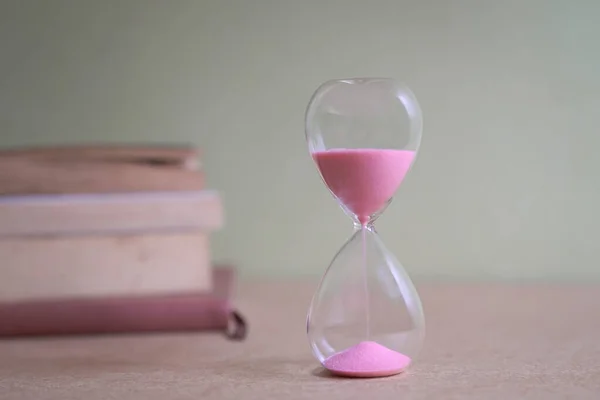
x=363 y=79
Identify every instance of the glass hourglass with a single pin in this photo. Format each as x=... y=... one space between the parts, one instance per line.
x=366 y=318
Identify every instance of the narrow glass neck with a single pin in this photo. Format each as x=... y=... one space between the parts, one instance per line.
x=368 y=226
x=364 y=223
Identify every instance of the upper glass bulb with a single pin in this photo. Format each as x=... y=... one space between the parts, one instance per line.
x=367 y=130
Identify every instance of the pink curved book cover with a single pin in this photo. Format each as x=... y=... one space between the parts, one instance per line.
x=211 y=311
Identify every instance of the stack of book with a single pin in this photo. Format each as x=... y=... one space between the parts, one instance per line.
x=102 y=239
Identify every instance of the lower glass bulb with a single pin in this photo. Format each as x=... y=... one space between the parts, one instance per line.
x=366 y=318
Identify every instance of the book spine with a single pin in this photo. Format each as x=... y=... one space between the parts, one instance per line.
x=114 y=315
x=110 y=213
x=25 y=176
x=189 y=312
x=104 y=266
x=172 y=155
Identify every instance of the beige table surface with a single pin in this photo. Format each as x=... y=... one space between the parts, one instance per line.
x=483 y=342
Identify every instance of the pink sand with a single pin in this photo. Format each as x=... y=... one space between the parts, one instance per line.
x=367 y=360
x=364 y=179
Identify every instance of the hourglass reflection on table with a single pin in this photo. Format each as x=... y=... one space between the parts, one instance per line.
x=366 y=318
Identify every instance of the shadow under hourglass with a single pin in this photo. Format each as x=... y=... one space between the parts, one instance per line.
x=321 y=372
x=278 y=369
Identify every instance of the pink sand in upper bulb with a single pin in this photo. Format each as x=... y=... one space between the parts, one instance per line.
x=364 y=179
x=367 y=360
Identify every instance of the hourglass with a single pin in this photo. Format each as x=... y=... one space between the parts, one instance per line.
x=366 y=319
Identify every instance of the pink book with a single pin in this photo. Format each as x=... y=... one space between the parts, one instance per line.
x=186 y=312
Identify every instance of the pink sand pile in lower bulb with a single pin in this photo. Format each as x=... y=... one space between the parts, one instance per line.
x=367 y=360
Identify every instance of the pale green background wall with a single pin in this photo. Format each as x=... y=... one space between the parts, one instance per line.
x=506 y=186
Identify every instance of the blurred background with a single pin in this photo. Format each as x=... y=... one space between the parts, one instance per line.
x=506 y=185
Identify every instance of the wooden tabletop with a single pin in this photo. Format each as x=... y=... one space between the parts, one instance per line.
x=483 y=342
